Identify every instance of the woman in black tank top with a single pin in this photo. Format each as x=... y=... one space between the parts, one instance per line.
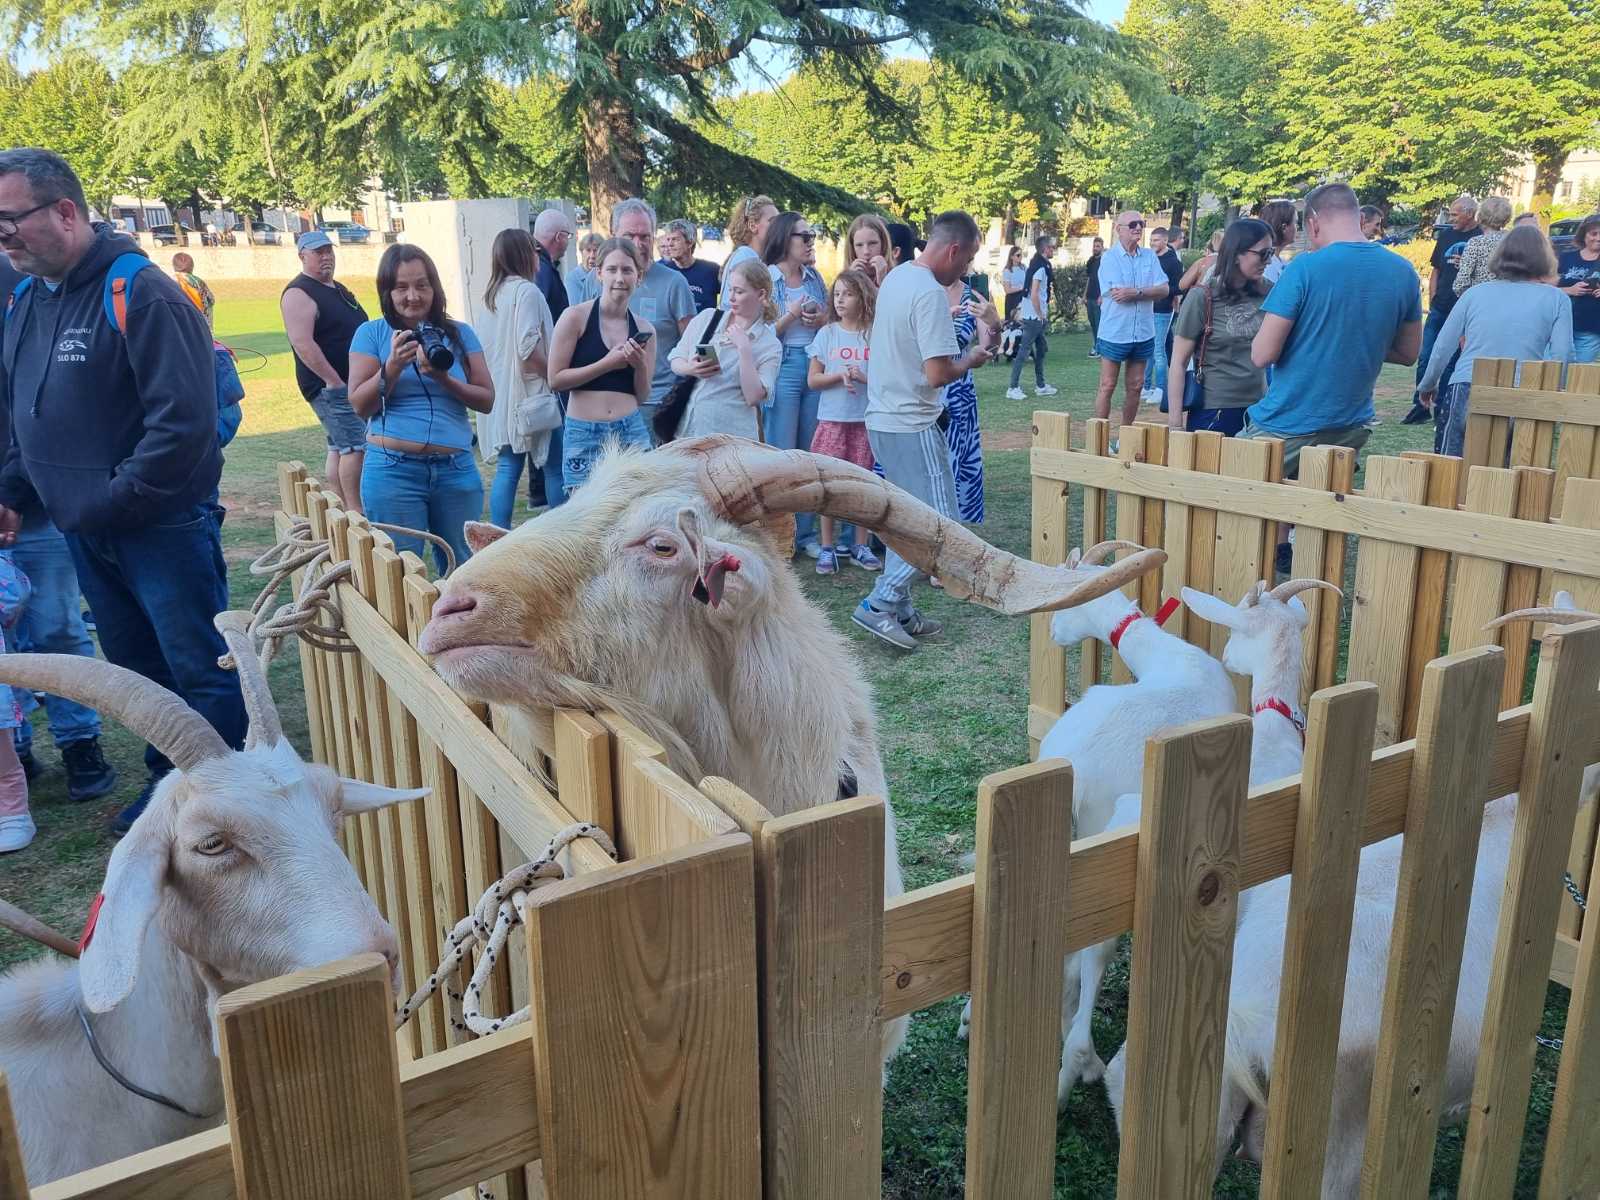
x=603 y=358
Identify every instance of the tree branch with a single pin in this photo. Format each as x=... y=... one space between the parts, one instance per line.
x=882 y=39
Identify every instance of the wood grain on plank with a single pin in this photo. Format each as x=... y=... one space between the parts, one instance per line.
x=1479 y=591
x=1093 y=666
x=1047 y=662
x=1571 y=1151
x=1433 y=575
x=1319 y=554
x=1522 y=583
x=1245 y=544
x=1130 y=528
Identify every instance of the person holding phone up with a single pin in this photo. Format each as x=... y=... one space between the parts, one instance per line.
x=1579 y=273
x=604 y=359
x=734 y=364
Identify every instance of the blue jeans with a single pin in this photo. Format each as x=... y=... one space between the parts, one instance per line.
x=791 y=420
x=1158 y=369
x=1430 y=335
x=1586 y=347
x=1451 y=405
x=508 y=474
x=52 y=623
x=154 y=592
x=584 y=441
x=1031 y=342
x=436 y=492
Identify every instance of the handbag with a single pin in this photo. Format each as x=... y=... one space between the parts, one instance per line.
x=670 y=415
x=1194 y=384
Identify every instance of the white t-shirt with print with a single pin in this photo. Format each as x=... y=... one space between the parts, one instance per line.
x=912 y=325
x=836 y=348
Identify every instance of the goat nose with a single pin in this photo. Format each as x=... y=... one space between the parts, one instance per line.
x=454 y=604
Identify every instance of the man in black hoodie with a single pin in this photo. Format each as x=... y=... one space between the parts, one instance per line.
x=113 y=436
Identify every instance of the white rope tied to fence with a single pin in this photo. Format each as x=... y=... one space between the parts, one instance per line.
x=488 y=926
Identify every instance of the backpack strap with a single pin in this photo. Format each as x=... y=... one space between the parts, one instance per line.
x=118 y=278
x=23 y=285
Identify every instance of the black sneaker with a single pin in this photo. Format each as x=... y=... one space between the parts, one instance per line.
x=1418 y=415
x=123 y=821
x=89 y=775
x=30 y=765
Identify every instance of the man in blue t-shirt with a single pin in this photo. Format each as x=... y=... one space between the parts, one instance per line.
x=677 y=252
x=1334 y=317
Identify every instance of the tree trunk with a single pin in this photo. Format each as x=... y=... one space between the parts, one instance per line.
x=1548 y=160
x=1179 y=203
x=614 y=155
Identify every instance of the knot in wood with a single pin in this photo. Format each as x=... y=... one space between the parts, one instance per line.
x=903 y=980
x=1210 y=887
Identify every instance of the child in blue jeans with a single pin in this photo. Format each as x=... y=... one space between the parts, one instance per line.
x=16 y=822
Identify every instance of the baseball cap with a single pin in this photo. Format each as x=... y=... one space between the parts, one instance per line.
x=316 y=239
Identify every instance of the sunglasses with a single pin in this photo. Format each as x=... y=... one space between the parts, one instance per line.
x=1134 y=225
x=808 y=236
x=1263 y=255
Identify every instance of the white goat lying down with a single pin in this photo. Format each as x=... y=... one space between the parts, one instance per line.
x=1257 y=976
x=1264 y=644
x=653 y=591
x=231 y=875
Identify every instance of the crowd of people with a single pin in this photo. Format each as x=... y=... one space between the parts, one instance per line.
x=109 y=483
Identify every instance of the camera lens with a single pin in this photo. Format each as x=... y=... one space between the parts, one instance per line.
x=434 y=348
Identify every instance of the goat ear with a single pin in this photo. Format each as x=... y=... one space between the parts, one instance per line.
x=358 y=796
x=1209 y=608
x=481 y=534
x=132 y=892
x=1297 y=606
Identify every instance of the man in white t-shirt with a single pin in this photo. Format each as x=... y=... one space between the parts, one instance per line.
x=914 y=355
x=1131 y=281
x=1038 y=289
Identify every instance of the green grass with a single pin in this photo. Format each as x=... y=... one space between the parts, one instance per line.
x=949 y=715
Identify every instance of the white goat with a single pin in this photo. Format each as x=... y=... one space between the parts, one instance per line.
x=1265 y=644
x=654 y=591
x=232 y=875
x=1255 y=990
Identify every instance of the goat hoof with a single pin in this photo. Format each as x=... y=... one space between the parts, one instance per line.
x=966 y=1021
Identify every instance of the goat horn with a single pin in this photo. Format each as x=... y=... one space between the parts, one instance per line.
x=145 y=707
x=1293 y=587
x=265 y=727
x=1097 y=553
x=19 y=922
x=1558 y=616
x=746 y=482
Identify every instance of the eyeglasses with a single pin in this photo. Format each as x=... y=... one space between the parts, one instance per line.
x=8 y=224
x=1134 y=225
x=807 y=237
x=1264 y=255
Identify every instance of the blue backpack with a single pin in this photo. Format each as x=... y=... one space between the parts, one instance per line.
x=230 y=389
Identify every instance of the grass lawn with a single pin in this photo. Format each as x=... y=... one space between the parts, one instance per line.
x=948 y=716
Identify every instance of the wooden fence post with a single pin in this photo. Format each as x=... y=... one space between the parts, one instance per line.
x=1433 y=577
x=1185 y=910
x=1094 y=659
x=1316 y=948
x=1047 y=662
x=1019 y=942
x=13 y=1182
x=1571 y=1151
x=644 y=1025
x=312 y=1083
x=1444 y=816
x=1245 y=545
x=1319 y=554
x=1566 y=710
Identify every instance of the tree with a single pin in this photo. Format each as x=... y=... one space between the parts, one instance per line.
x=69 y=107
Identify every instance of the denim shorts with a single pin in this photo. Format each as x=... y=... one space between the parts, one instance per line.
x=583 y=441
x=347 y=433
x=1125 y=351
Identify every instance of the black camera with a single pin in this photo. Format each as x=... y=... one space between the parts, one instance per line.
x=434 y=348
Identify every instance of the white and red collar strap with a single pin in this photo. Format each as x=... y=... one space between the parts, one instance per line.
x=1166 y=610
x=1283 y=709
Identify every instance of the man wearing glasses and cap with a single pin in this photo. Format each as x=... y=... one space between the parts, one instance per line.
x=1131 y=281
x=320 y=315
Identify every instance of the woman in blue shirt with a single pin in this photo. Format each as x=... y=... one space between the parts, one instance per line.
x=802 y=299
x=419 y=469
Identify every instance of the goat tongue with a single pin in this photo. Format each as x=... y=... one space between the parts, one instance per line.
x=708 y=587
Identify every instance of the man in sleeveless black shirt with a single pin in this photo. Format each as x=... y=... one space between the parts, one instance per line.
x=320 y=316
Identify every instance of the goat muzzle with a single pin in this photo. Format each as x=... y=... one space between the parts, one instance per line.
x=747 y=483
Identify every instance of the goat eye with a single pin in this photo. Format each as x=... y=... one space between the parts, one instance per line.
x=660 y=547
x=213 y=845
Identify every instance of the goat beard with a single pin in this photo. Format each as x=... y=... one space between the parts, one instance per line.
x=564 y=691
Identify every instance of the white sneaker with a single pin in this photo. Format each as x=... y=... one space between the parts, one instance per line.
x=1046 y=390
x=1015 y=394
x=1150 y=396
x=16 y=832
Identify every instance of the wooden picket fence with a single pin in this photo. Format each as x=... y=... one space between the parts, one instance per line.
x=707 y=1015
x=1532 y=418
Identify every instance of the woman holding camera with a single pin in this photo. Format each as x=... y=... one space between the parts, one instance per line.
x=735 y=366
x=414 y=373
x=604 y=359
x=802 y=301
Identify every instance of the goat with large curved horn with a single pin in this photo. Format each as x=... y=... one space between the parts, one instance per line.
x=148 y=709
x=748 y=482
x=265 y=727
x=1293 y=587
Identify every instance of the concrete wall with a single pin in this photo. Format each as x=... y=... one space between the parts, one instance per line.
x=263 y=262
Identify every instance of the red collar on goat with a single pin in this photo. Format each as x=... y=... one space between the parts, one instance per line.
x=1166 y=610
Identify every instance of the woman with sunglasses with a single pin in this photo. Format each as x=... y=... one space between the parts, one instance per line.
x=1211 y=368
x=802 y=301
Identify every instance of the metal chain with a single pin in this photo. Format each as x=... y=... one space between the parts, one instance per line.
x=1578 y=897
x=1549 y=1043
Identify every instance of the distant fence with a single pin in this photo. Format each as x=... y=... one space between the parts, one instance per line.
x=1529 y=419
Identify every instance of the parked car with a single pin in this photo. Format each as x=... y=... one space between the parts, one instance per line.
x=262 y=234
x=1564 y=233
x=170 y=235
x=346 y=233
x=711 y=233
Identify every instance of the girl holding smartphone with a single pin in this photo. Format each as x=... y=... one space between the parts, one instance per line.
x=736 y=366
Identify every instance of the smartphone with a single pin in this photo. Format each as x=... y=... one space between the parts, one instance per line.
x=705 y=352
x=642 y=336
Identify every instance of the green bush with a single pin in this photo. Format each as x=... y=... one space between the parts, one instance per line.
x=1071 y=280
x=1212 y=221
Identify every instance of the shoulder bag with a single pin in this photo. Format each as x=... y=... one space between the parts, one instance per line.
x=670 y=415
x=1194 y=381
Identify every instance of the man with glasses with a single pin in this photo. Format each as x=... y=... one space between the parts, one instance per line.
x=1449 y=241
x=662 y=299
x=114 y=439
x=1131 y=281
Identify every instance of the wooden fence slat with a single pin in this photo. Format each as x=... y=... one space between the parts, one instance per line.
x=1381 y=610
x=820 y=935
x=646 y=1061
x=290 y=476
x=312 y=1085
x=1203 y=535
x=13 y=1182
x=1155 y=452
x=332 y=675
x=1178 y=534
x=1575 y=456
x=351 y=668
x=1327 y=847
x=1478 y=595
x=1571 y=1151
x=1047 y=662
x=1242 y=553
x=1433 y=575
x=1018 y=945
x=1319 y=554
x=1534 y=436
x=1566 y=708
x=583 y=769
x=1186 y=907
x=1522 y=583
x=1437 y=863
x=1581 y=510
x=1092 y=664
x=1130 y=527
